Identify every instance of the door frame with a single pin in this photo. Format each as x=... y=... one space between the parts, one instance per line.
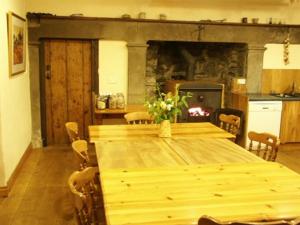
x=94 y=79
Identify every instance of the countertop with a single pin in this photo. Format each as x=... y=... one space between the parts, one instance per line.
x=269 y=97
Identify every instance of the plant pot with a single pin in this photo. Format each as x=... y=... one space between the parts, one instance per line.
x=165 y=129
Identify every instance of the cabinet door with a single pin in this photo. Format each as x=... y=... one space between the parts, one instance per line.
x=290 y=120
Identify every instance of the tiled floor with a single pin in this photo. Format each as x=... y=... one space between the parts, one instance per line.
x=40 y=195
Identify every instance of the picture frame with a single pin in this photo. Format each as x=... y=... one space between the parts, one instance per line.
x=16 y=44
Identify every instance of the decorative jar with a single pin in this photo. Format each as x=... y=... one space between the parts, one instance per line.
x=165 y=129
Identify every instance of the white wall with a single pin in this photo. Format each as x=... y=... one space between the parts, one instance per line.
x=273 y=57
x=113 y=67
x=15 y=114
x=194 y=10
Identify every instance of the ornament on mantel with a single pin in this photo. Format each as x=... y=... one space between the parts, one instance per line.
x=286 y=44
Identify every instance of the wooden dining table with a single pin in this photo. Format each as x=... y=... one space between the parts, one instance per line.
x=180 y=195
x=147 y=180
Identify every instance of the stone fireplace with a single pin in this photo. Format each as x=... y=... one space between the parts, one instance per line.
x=194 y=61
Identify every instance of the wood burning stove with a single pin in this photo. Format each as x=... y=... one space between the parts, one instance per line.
x=206 y=98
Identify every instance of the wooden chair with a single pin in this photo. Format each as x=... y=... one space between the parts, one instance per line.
x=80 y=149
x=230 y=123
x=206 y=220
x=72 y=130
x=138 y=118
x=264 y=145
x=229 y=111
x=84 y=185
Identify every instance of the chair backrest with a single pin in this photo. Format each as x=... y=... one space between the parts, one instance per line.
x=206 y=220
x=138 y=118
x=83 y=185
x=80 y=150
x=229 y=111
x=72 y=130
x=230 y=123
x=265 y=145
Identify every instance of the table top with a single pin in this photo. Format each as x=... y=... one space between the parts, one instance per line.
x=182 y=194
x=136 y=154
x=166 y=152
x=179 y=131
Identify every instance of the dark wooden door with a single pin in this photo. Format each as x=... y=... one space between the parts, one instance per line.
x=68 y=85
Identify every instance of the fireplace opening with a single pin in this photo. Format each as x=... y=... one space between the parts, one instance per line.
x=194 y=61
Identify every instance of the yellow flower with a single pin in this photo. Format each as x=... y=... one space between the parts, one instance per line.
x=163 y=105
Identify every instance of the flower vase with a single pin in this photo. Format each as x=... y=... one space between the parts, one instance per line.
x=165 y=129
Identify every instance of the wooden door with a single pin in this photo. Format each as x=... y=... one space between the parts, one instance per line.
x=67 y=87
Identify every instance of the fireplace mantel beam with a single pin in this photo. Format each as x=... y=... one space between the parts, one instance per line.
x=41 y=16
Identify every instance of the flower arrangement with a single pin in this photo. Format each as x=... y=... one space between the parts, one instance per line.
x=166 y=106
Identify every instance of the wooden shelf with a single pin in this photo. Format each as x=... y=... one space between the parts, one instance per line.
x=200 y=22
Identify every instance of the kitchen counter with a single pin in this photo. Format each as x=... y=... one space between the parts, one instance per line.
x=268 y=97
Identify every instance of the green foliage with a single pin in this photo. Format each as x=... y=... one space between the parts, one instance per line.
x=167 y=106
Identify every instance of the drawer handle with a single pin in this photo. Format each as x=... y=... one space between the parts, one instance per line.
x=265 y=107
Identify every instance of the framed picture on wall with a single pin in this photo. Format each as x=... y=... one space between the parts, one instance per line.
x=16 y=44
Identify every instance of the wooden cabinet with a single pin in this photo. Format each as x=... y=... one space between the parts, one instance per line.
x=290 y=120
